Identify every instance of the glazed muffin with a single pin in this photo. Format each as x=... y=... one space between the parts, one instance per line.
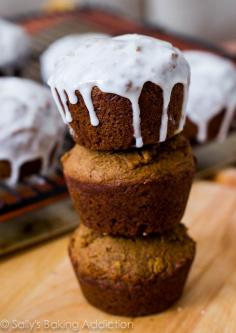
x=15 y=48
x=133 y=192
x=117 y=93
x=31 y=131
x=212 y=97
x=132 y=277
x=60 y=48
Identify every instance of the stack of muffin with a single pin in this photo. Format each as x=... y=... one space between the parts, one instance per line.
x=130 y=172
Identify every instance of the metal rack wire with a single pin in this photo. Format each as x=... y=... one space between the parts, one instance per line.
x=29 y=195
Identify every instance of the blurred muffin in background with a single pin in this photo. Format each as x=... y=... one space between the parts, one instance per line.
x=60 y=48
x=212 y=97
x=15 y=48
x=31 y=130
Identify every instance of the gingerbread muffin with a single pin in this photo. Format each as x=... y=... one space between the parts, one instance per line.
x=133 y=192
x=212 y=97
x=60 y=48
x=122 y=92
x=15 y=48
x=31 y=131
x=132 y=277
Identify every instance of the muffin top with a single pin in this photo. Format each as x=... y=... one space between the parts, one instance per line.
x=120 y=65
x=14 y=44
x=30 y=125
x=131 y=259
x=151 y=162
x=212 y=90
x=60 y=48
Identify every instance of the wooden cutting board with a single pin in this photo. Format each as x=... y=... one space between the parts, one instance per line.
x=40 y=285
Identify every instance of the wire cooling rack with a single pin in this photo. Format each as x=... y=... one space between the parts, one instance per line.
x=30 y=195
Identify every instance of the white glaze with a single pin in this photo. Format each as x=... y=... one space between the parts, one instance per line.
x=30 y=125
x=60 y=48
x=212 y=89
x=14 y=45
x=120 y=65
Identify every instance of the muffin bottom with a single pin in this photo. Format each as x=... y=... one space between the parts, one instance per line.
x=213 y=128
x=14 y=71
x=115 y=130
x=27 y=169
x=144 y=298
x=130 y=288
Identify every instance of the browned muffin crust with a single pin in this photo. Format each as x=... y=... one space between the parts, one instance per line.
x=133 y=192
x=115 y=129
x=14 y=72
x=5 y=169
x=213 y=128
x=27 y=169
x=132 y=277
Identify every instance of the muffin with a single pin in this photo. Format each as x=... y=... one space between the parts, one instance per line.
x=15 y=48
x=121 y=92
x=60 y=48
x=133 y=192
x=132 y=277
x=212 y=97
x=31 y=131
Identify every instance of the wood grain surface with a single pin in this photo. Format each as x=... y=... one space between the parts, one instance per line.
x=39 y=284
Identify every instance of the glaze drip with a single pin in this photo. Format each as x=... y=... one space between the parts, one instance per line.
x=121 y=65
x=30 y=126
x=212 y=89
